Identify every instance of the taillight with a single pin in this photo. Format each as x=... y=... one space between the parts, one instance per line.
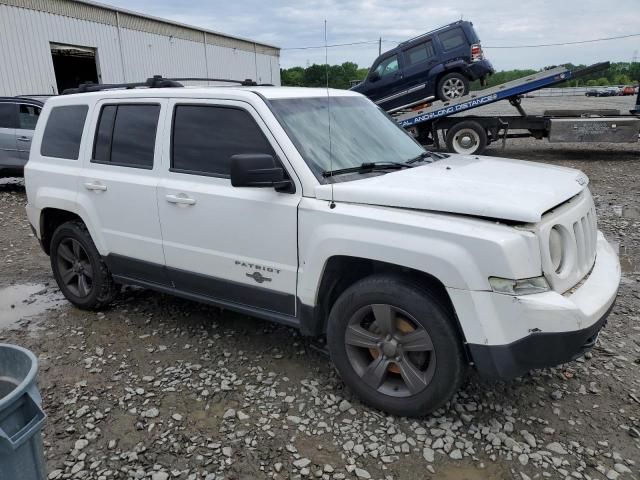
x=476 y=52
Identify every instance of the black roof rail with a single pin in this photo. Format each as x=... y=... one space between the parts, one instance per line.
x=32 y=95
x=21 y=99
x=157 y=81
x=245 y=83
x=431 y=32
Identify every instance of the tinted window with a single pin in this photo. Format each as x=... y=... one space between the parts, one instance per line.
x=7 y=115
x=126 y=135
x=63 y=132
x=387 y=66
x=452 y=38
x=205 y=138
x=419 y=53
x=28 y=116
x=102 y=145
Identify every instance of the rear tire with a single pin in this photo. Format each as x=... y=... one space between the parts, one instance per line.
x=466 y=138
x=395 y=345
x=451 y=86
x=78 y=267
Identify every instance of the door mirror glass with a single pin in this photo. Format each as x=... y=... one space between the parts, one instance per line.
x=259 y=170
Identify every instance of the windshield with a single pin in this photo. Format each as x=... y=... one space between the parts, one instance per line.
x=360 y=133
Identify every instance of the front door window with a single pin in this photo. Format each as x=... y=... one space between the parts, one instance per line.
x=387 y=66
x=28 y=116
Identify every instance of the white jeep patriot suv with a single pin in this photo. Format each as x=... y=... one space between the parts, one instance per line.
x=312 y=208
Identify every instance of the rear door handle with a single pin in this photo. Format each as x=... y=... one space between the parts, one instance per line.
x=24 y=139
x=95 y=186
x=180 y=199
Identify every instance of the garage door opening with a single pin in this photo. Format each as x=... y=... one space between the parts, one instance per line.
x=74 y=65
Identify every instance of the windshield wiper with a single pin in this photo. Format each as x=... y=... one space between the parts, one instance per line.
x=424 y=155
x=367 y=167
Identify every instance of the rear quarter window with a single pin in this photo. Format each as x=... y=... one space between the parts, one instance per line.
x=63 y=133
x=419 y=53
x=452 y=38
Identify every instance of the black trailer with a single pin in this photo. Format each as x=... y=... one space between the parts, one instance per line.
x=470 y=134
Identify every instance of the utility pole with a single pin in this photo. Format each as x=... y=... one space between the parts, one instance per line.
x=380 y=46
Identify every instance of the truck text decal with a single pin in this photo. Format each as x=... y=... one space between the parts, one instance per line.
x=449 y=110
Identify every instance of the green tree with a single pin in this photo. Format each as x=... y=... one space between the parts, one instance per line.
x=621 y=79
x=293 y=77
x=315 y=76
x=341 y=76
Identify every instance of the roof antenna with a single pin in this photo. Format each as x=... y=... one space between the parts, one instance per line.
x=326 y=68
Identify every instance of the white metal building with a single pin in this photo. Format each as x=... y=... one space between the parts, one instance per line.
x=49 y=45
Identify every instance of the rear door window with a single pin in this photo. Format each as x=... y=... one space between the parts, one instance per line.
x=7 y=115
x=126 y=135
x=419 y=53
x=28 y=116
x=452 y=38
x=63 y=133
x=205 y=137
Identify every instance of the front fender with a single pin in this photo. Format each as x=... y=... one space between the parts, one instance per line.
x=462 y=253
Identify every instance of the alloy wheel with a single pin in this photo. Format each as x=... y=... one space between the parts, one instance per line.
x=75 y=267
x=453 y=88
x=390 y=351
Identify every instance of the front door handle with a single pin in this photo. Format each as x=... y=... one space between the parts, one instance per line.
x=180 y=199
x=24 y=139
x=95 y=186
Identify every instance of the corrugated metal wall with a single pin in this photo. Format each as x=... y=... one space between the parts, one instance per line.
x=26 y=65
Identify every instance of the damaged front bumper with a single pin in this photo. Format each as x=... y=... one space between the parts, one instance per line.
x=559 y=327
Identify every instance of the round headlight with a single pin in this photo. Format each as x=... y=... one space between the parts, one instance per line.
x=556 y=248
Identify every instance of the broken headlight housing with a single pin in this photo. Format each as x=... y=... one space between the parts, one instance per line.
x=525 y=286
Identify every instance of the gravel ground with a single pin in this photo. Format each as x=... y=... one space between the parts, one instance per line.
x=159 y=388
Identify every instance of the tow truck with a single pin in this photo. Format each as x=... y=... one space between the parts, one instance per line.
x=470 y=134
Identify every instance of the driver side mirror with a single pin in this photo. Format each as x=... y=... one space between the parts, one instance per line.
x=374 y=77
x=259 y=170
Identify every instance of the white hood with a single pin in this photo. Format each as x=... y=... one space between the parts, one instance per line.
x=467 y=184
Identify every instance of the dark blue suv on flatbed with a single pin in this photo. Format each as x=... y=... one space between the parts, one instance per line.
x=438 y=64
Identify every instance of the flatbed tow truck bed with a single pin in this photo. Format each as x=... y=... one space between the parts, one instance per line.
x=471 y=134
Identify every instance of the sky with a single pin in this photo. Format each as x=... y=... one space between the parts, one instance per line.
x=499 y=23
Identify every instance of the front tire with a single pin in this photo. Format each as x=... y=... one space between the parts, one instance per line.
x=395 y=345
x=81 y=274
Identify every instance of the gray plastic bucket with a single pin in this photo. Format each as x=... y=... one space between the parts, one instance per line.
x=21 y=416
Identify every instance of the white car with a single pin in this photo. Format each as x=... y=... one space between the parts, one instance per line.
x=413 y=264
